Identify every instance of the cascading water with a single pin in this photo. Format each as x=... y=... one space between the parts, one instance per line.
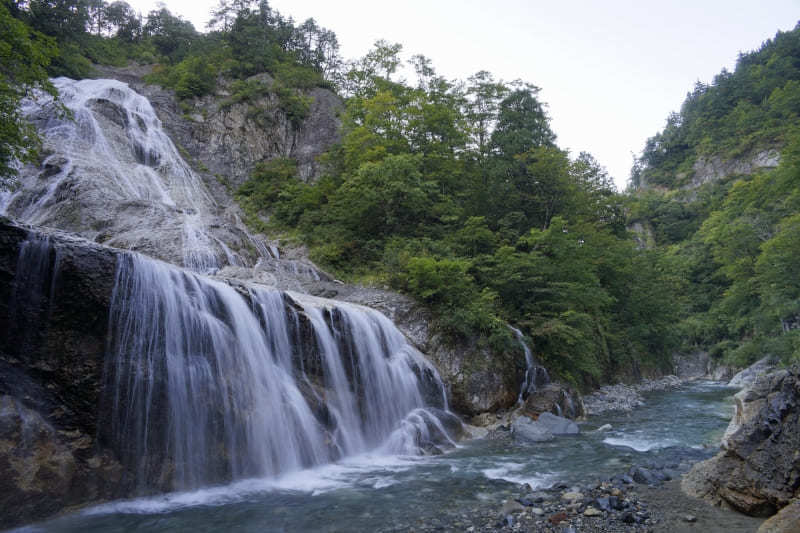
x=206 y=383
x=535 y=374
x=112 y=174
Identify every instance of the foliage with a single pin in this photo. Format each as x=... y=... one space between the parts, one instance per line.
x=756 y=106
x=24 y=57
x=457 y=194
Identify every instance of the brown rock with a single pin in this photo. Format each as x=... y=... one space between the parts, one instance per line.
x=786 y=521
x=554 y=398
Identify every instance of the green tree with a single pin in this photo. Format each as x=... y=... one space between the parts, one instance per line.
x=24 y=57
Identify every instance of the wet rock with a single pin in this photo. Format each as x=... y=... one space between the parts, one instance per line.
x=758 y=471
x=610 y=503
x=35 y=467
x=52 y=166
x=689 y=518
x=645 y=476
x=556 y=399
x=558 y=425
x=483 y=419
x=111 y=111
x=528 y=430
x=591 y=511
x=511 y=507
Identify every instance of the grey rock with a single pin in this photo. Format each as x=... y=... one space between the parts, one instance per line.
x=713 y=168
x=645 y=476
x=758 y=471
x=558 y=425
x=528 y=430
x=511 y=507
x=747 y=377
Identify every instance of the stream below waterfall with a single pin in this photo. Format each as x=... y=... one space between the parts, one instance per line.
x=393 y=493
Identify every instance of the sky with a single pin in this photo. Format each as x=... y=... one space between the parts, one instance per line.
x=610 y=71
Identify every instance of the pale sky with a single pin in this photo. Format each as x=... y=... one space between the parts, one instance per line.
x=610 y=70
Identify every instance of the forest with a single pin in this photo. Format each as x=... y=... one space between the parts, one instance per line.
x=457 y=193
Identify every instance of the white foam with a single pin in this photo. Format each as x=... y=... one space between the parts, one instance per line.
x=368 y=470
x=640 y=444
x=511 y=472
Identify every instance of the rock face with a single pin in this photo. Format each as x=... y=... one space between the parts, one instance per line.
x=554 y=398
x=51 y=360
x=786 y=521
x=230 y=138
x=714 y=168
x=747 y=377
x=758 y=470
x=477 y=379
x=80 y=421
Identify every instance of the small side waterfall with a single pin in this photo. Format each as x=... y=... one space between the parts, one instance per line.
x=535 y=374
x=208 y=383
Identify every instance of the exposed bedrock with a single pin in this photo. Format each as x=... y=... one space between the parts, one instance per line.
x=757 y=472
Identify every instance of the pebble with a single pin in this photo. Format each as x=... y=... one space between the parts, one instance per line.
x=591 y=511
x=572 y=496
x=511 y=506
x=690 y=518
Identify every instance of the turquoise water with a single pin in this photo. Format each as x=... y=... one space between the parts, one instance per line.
x=387 y=493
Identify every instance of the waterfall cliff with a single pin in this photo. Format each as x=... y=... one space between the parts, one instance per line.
x=111 y=174
x=140 y=376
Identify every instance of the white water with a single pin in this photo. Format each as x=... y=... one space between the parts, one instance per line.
x=535 y=374
x=205 y=383
x=206 y=387
x=111 y=173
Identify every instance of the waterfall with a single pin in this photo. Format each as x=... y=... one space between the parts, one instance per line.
x=112 y=174
x=207 y=383
x=535 y=374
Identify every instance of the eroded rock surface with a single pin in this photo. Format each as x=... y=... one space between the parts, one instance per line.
x=758 y=470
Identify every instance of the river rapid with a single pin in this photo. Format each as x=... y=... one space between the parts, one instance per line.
x=376 y=492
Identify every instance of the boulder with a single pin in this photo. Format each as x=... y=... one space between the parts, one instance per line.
x=554 y=398
x=786 y=521
x=511 y=507
x=758 y=470
x=558 y=425
x=529 y=430
x=747 y=377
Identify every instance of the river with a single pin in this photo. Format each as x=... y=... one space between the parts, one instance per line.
x=393 y=493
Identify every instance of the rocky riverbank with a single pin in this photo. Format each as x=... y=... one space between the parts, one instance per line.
x=622 y=397
x=758 y=470
x=645 y=498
